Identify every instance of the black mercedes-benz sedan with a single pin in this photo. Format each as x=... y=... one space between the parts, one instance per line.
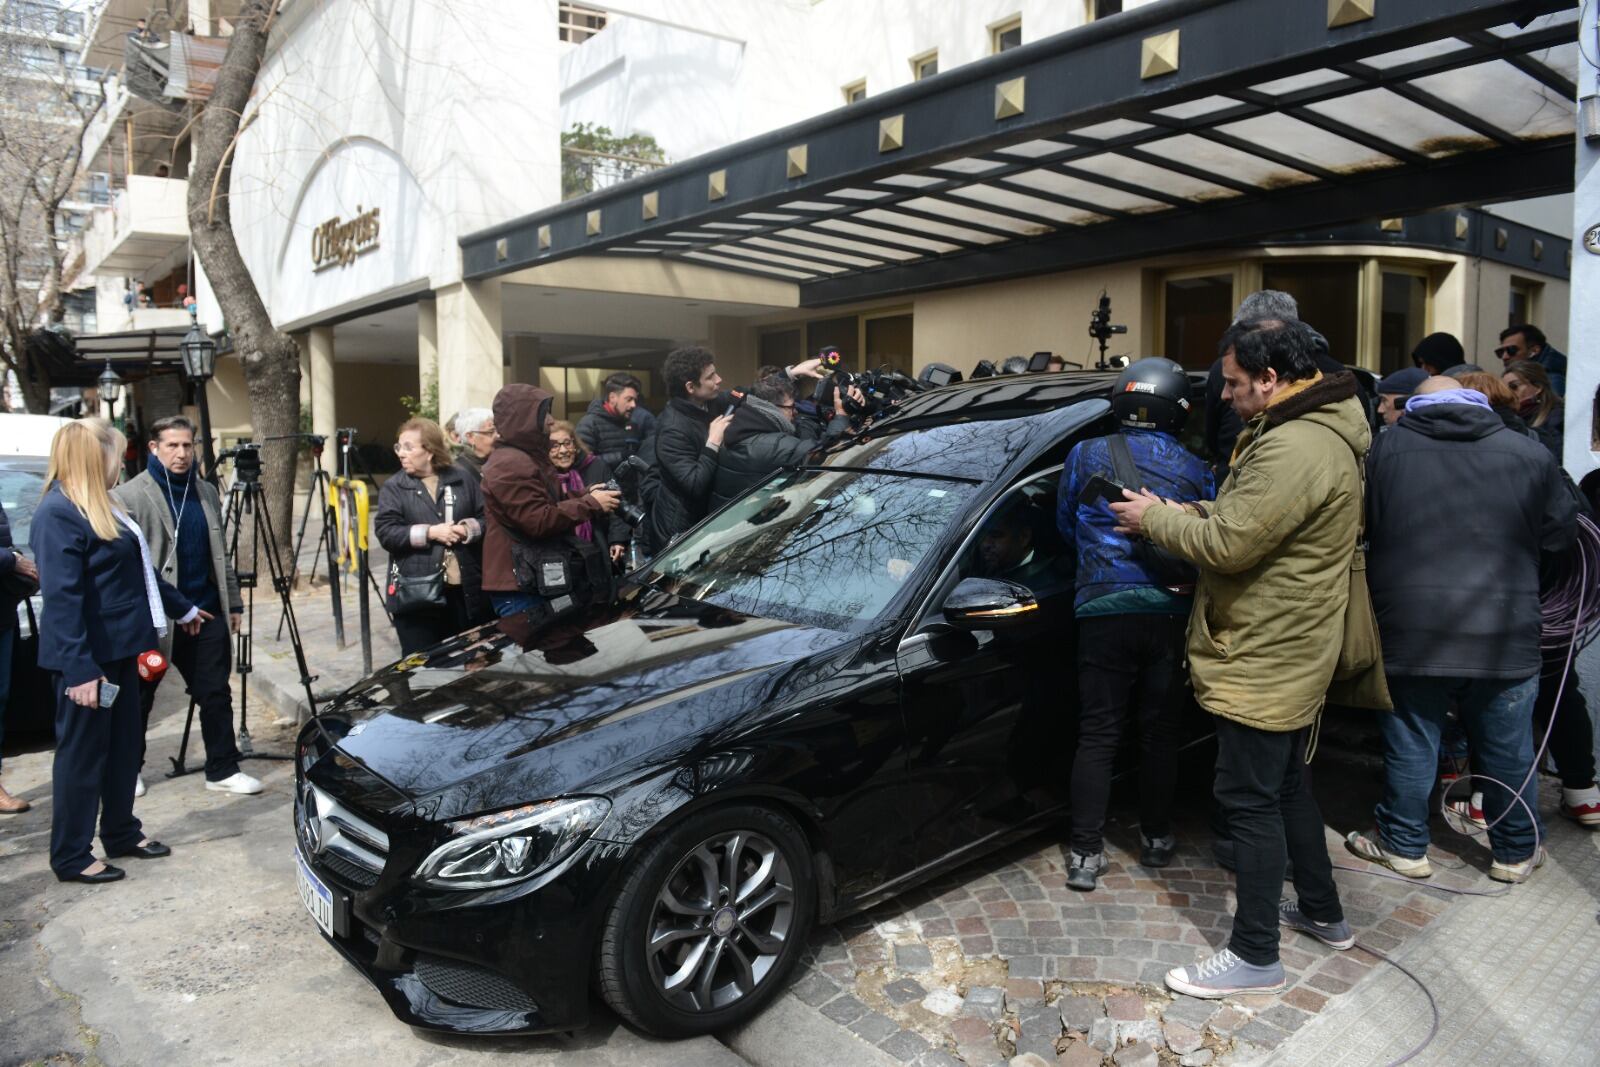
x=854 y=676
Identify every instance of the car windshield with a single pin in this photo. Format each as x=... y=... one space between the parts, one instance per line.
x=826 y=548
x=19 y=495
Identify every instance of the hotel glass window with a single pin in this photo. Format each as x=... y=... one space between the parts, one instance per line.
x=888 y=340
x=855 y=92
x=1328 y=293
x=1004 y=36
x=780 y=348
x=1196 y=310
x=925 y=66
x=1524 y=295
x=1402 y=319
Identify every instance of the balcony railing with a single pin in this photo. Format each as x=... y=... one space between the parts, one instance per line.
x=146 y=222
x=584 y=170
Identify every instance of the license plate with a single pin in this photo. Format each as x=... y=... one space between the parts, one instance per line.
x=317 y=897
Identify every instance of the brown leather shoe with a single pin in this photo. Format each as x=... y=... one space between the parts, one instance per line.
x=10 y=805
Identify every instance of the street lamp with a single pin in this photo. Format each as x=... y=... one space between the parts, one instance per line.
x=110 y=390
x=199 y=364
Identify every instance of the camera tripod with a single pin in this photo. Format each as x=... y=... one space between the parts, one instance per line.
x=247 y=503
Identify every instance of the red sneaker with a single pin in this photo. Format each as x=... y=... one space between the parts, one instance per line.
x=1469 y=811
x=1582 y=806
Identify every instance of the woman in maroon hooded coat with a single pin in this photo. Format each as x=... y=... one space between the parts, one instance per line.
x=520 y=493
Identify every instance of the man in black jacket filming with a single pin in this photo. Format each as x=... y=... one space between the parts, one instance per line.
x=683 y=452
x=765 y=436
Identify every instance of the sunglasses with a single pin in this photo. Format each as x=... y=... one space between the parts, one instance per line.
x=1507 y=351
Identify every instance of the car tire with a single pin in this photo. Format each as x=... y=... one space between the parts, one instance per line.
x=679 y=958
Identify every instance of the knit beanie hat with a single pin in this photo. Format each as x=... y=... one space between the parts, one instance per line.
x=1402 y=382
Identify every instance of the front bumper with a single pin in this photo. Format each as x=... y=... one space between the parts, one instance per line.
x=514 y=960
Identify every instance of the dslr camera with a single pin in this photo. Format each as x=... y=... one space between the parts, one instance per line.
x=880 y=389
x=625 y=480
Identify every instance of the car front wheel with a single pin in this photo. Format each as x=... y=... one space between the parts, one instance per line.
x=708 y=923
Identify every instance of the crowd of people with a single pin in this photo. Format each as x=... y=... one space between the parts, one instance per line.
x=1298 y=584
x=1266 y=582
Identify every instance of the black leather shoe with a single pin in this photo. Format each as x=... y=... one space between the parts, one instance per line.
x=1157 y=852
x=153 y=851
x=110 y=874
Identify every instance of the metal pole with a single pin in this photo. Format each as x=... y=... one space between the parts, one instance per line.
x=366 y=619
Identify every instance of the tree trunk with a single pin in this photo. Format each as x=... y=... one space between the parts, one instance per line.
x=271 y=359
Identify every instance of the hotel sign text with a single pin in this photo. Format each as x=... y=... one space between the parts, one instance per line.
x=337 y=243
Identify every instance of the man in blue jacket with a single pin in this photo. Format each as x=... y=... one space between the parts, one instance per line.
x=1132 y=607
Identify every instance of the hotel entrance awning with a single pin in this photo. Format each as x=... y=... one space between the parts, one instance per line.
x=1180 y=125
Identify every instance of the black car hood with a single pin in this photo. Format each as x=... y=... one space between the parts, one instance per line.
x=505 y=714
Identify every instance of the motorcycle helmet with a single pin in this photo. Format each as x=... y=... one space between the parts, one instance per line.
x=1152 y=394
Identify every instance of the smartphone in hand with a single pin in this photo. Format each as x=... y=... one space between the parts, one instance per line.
x=108 y=693
x=1101 y=488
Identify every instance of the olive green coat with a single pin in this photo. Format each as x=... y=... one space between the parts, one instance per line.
x=1274 y=555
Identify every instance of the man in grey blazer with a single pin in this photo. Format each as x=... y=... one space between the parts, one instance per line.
x=181 y=516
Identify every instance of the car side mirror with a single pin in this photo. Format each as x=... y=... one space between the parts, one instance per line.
x=989 y=604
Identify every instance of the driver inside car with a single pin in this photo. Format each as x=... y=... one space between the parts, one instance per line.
x=1009 y=549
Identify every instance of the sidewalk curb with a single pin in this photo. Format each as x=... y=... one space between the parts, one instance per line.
x=787 y=1033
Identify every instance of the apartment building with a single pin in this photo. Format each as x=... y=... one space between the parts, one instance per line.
x=907 y=180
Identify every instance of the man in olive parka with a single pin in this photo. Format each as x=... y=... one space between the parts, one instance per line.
x=1274 y=553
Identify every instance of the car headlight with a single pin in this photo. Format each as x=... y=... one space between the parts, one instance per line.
x=508 y=846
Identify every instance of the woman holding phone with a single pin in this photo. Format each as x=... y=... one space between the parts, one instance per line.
x=103 y=605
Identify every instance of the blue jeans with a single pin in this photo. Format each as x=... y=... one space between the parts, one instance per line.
x=1498 y=717
x=513 y=603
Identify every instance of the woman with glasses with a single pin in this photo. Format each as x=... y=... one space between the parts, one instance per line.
x=1537 y=402
x=577 y=471
x=430 y=520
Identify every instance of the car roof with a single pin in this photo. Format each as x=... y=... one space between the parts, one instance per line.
x=977 y=429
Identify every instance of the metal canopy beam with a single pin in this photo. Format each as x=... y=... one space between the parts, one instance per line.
x=1525 y=170
x=1083 y=77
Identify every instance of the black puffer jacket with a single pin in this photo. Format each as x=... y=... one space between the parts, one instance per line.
x=609 y=436
x=1458 y=510
x=8 y=565
x=682 y=470
x=403 y=503
x=760 y=440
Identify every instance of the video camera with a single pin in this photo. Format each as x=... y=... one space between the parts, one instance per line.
x=246 y=458
x=879 y=389
x=1102 y=329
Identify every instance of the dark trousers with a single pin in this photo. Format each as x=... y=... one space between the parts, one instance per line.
x=1130 y=667
x=97 y=759
x=1572 y=736
x=204 y=662
x=424 y=629
x=1264 y=786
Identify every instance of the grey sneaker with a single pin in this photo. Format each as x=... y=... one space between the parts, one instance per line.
x=1083 y=869
x=1225 y=975
x=1334 y=935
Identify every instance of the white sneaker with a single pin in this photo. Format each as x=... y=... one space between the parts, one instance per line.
x=238 y=782
x=1517 y=872
x=138 y=786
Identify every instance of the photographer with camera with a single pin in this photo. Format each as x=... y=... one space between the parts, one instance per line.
x=683 y=453
x=608 y=430
x=181 y=516
x=764 y=437
x=1132 y=606
x=428 y=515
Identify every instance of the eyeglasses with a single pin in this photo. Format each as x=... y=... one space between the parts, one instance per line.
x=1507 y=351
x=405 y=448
x=478 y=433
x=562 y=446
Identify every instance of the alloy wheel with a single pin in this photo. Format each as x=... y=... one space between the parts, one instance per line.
x=720 y=921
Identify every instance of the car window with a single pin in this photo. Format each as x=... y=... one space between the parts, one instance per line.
x=1017 y=540
x=19 y=495
x=827 y=548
